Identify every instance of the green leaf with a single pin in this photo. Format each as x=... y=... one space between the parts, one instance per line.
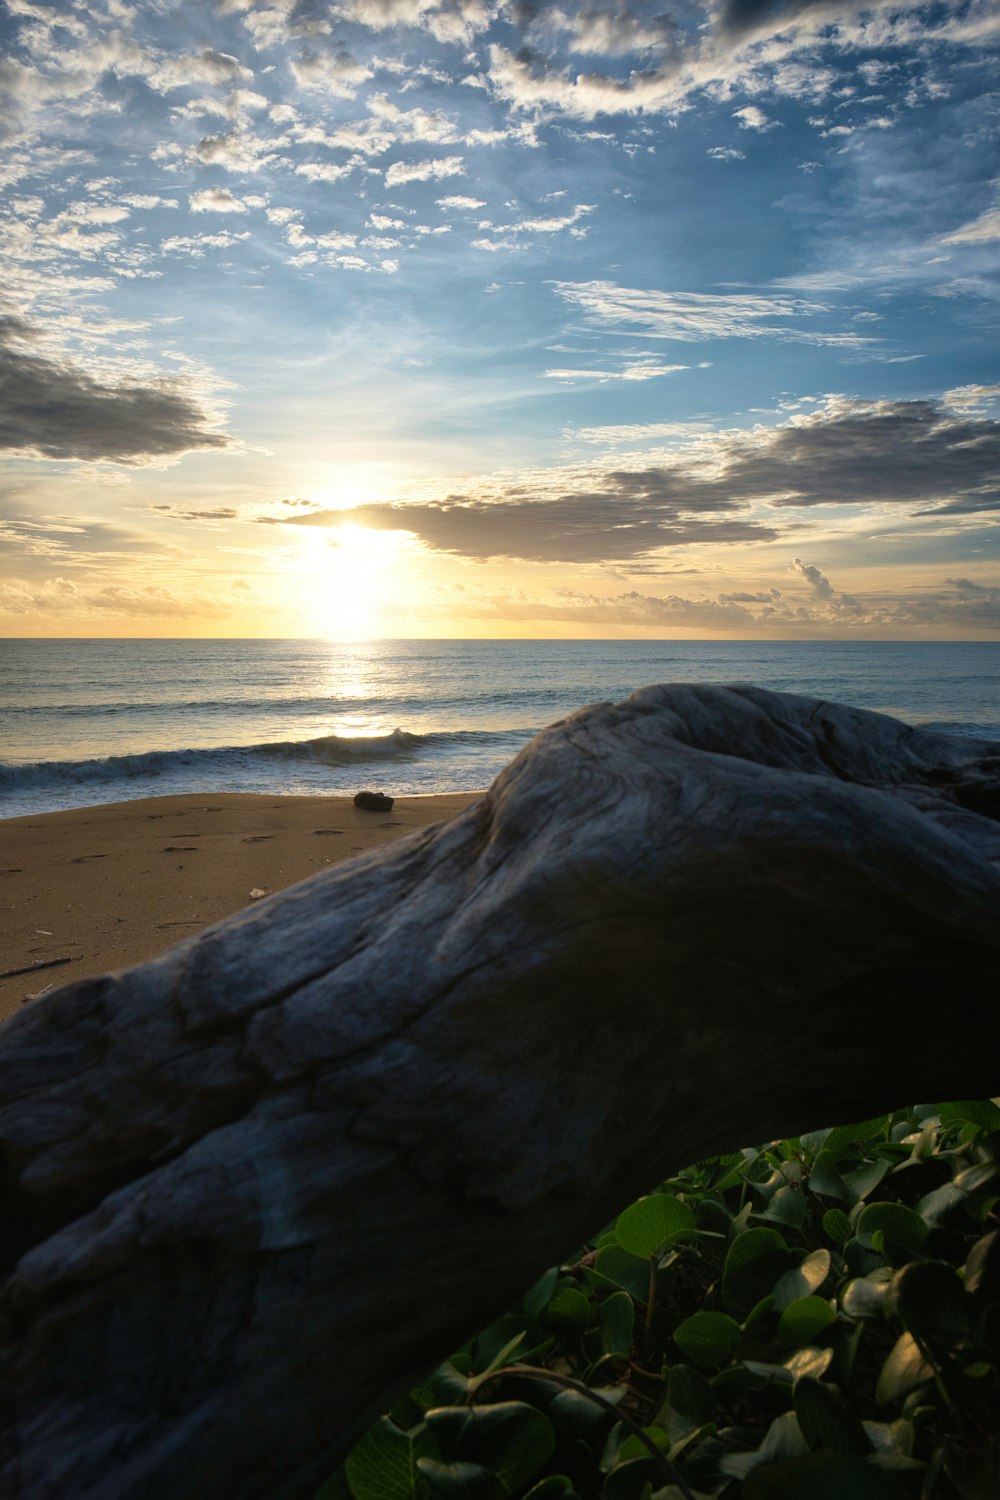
x=709 y=1338
x=624 y=1269
x=537 y=1297
x=446 y=1386
x=939 y=1206
x=928 y=1298
x=894 y=1222
x=756 y=1260
x=981 y=1112
x=496 y=1342
x=383 y=1466
x=690 y=1403
x=461 y=1480
x=826 y=1180
x=823 y=1476
x=825 y=1420
x=802 y=1280
x=510 y=1438
x=632 y=1480
x=634 y=1447
x=757 y=1314
x=574 y=1416
x=864 y=1297
x=782 y=1440
x=647 y=1226
x=786 y=1206
x=865 y=1179
x=552 y=1487
x=904 y=1371
x=803 y=1320
x=862 y=1262
x=568 y=1312
x=844 y=1136
x=809 y=1362
x=893 y=1443
x=837 y=1226
x=617 y=1324
x=982 y=1269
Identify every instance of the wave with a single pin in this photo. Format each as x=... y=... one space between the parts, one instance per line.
x=285 y=705
x=327 y=750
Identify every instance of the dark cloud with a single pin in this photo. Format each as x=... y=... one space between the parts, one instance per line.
x=628 y=515
x=217 y=513
x=53 y=408
x=857 y=453
x=845 y=453
x=739 y=18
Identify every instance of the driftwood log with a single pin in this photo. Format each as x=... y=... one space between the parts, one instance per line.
x=254 y=1187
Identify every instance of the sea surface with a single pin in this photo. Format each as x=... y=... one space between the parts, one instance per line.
x=85 y=722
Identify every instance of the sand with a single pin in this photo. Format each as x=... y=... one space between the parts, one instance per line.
x=110 y=886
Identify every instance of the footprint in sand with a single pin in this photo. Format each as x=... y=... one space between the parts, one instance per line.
x=181 y=849
x=256 y=838
x=80 y=858
x=328 y=830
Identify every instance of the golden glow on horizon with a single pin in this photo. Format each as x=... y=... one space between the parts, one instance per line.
x=349 y=571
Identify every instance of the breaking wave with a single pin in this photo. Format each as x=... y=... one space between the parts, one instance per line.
x=236 y=761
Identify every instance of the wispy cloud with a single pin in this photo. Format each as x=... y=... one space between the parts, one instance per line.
x=691 y=317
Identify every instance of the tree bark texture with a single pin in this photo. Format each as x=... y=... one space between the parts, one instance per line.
x=253 y=1188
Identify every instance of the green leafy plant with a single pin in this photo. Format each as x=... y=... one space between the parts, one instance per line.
x=817 y=1316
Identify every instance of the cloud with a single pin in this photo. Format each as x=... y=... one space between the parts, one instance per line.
x=725 y=153
x=459 y=201
x=971 y=398
x=750 y=117
x=607 y=516
x=207 y=66
x=817 y=581
x=867 y=453
x=719 y=487
x=337 y=73
x=625 y=609
x=210 y=513
x=65 y=597
x=424 y=171
x=977 y=231
x=512 y=236
x=693 y=316
x=52 y=408
x=216 y=200
x=236 y=151
x=960 y=607
x=196 y=244
x=640 y=369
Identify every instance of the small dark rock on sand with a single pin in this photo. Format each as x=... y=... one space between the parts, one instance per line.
x=373 y=801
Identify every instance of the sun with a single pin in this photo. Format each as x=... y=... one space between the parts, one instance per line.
x=349 y=573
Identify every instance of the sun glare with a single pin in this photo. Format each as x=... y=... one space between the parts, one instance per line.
x=350 y=572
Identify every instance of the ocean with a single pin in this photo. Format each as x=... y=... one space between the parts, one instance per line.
x=84 y=722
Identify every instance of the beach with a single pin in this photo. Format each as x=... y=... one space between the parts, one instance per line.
x=110 y=886
x=254 y=750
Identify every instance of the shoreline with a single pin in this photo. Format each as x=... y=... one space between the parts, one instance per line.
x=114 y=884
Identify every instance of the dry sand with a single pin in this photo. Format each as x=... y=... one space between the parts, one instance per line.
x=111 y=886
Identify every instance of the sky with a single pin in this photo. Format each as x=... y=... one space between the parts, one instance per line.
x=389 y=318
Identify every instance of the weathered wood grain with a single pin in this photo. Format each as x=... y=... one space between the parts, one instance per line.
x=252 y=1188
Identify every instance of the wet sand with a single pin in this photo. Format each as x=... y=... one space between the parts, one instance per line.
x=106 y=887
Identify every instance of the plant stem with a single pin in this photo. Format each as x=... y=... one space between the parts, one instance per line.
x=651 y=1303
